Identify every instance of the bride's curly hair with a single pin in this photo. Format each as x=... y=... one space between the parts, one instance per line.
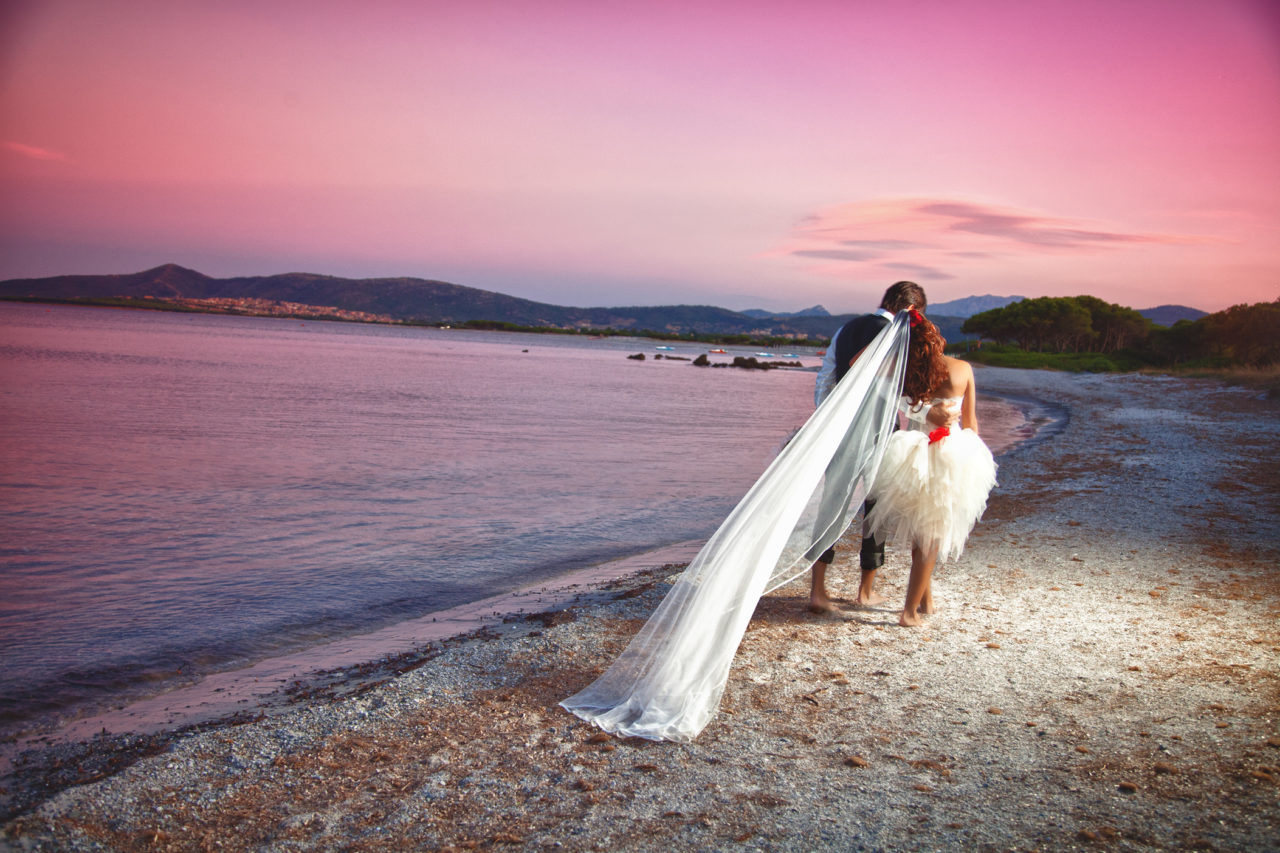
x=926 y=371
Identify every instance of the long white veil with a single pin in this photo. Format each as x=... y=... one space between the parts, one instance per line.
x=667 y=683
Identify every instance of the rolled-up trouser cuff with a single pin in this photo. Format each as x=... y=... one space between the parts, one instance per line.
x=872 y=555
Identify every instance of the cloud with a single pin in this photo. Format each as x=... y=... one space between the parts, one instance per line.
x=837 y=254
x=33 y=152
x=959 y=227
x=959 y=245
x=919 y=271
x=950 y=238
x=891 y=245
x=1025 y=228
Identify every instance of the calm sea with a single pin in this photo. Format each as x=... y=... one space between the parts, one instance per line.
x=186 y=493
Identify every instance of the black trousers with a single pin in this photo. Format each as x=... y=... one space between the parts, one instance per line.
x=871 y=556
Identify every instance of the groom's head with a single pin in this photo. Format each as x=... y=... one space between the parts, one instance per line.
x=902 y=295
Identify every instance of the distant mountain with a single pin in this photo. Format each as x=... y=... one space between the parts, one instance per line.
x=970 y=305
x=817 y=322
x=404 y=298
x=410 y=299
x=759 y=314
x=1167 y=315
x=427 y=301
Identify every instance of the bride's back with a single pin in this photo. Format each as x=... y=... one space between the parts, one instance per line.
x=959 y=373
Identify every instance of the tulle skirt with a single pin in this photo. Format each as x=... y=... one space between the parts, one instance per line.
x=929 y=494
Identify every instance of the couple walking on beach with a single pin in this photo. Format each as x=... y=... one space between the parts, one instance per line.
x=928 y=492
x=928 y=484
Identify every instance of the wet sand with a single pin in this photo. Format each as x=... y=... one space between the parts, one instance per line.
x=1102 y=673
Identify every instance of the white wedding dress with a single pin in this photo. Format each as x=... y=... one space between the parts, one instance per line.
x=666 y=684
x=931 y=489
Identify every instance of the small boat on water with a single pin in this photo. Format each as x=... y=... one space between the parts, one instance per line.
x=766 y=355
x=718 y=351
x=664 y=347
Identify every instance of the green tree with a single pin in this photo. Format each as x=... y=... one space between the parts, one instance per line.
x=1062 y=324
x=996 y=325
x=1182 y=342
x=1115 y=327
x=1247 y=335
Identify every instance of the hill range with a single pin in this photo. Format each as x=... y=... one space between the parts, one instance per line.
x=416 y=300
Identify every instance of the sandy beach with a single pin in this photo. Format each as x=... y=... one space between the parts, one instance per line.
x=1103 y=673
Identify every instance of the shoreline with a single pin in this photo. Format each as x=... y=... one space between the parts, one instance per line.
x=267 y=683
x=271 y=682
x=1105 y=654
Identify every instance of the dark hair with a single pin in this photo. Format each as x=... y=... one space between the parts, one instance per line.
x=926 y=371
x=902 y=295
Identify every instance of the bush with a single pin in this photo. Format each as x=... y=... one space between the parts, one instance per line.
x=1076 y=362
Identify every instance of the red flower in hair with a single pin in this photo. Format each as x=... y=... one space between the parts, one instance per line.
x=916 y=317
x=939 y=434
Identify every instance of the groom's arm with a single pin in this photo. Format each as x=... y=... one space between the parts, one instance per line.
x=942 y=416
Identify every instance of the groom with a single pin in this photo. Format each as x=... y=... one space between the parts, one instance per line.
x=846 y=345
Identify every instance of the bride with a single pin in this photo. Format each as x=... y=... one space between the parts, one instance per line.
x=932 y=485
x=666 y=685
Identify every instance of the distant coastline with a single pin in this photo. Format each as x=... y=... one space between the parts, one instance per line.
x=430 y=302
x=238 y=307
x=253 y=307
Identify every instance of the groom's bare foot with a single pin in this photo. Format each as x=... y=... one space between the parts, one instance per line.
x=822 y=604
x=910 y=620
x=870 y=599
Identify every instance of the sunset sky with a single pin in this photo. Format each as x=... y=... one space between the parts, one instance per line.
x=746 y=153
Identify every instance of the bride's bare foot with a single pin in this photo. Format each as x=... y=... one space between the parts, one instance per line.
x=910 y=620
x=870 y=599
x=926 y=605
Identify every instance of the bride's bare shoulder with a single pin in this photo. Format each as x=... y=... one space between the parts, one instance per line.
x=958 y=366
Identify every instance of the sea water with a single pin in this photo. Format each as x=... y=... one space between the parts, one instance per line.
x=183 y=494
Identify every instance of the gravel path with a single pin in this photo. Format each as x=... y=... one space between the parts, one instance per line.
x=1102 y=674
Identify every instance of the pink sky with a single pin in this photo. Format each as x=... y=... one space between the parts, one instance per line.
x=744 y=153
